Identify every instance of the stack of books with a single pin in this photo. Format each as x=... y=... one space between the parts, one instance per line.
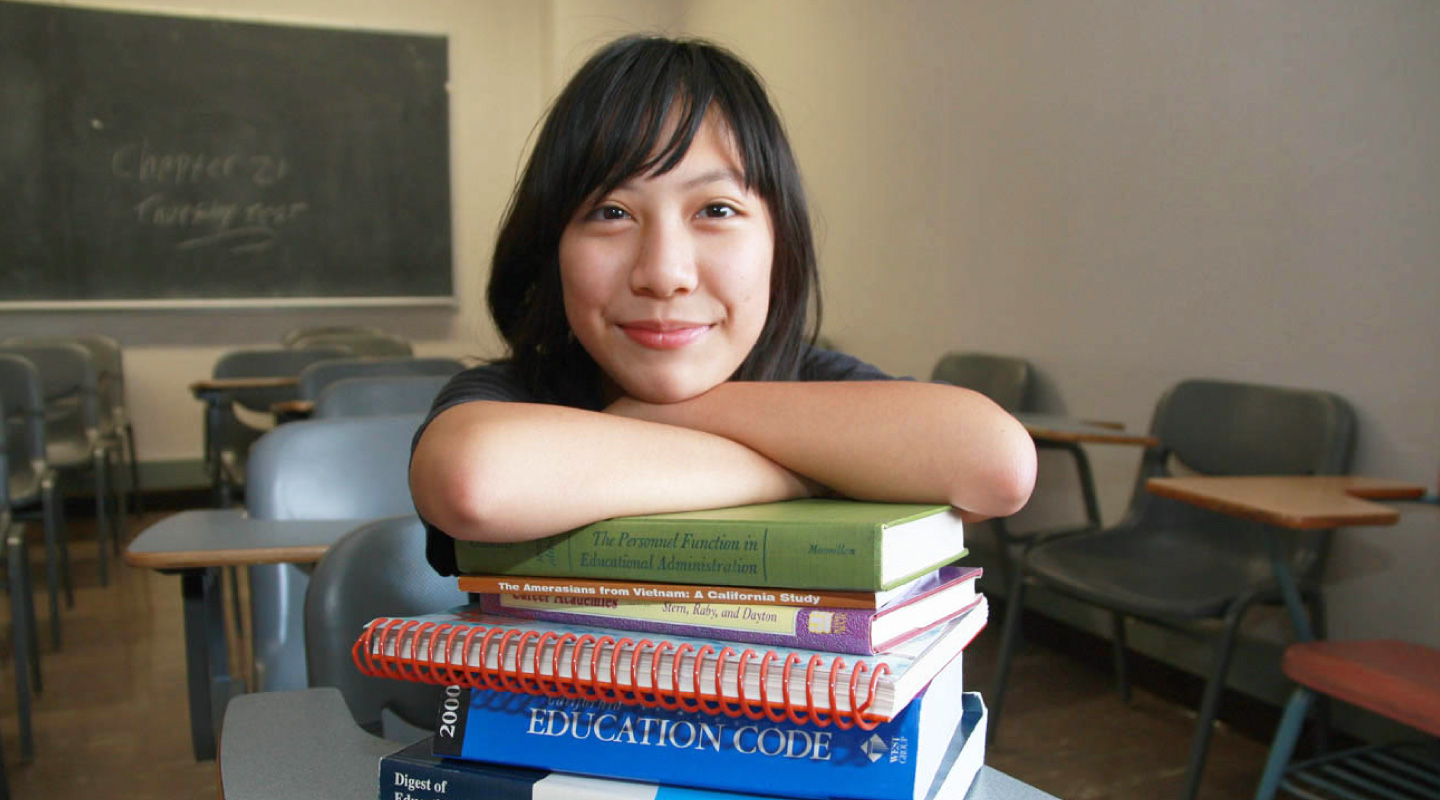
x=806 y=649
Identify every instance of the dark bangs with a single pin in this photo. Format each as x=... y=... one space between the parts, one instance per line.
x=608 y=126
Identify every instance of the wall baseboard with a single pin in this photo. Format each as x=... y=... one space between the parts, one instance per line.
x=173 y=475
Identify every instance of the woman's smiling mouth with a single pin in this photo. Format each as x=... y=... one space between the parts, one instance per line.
x=664 y=335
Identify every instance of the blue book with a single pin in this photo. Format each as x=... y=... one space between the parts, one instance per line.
x=898 y=760
x=415 y=773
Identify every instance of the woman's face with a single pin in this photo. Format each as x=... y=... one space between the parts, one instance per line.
x=666 y=279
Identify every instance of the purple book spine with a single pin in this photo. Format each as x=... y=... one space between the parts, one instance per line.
x=833 y=630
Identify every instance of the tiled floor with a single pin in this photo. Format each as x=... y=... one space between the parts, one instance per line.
x=112 y=722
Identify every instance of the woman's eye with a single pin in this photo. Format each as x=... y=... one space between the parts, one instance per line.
x=608 y=213
x=718 y=211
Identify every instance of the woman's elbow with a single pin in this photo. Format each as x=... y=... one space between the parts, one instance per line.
x=1001 y=483
x=452 y=492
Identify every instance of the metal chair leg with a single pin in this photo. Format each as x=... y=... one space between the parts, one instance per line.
x=1118 y=646
x=52 y=577
x=1320 y=623
x=121 y=519
x=22 y=614
x=53 y=511
x=1292 y=721
x=102 y=515
x=137 y=497
x=1014 y=607
x=1210 y=702
x=1002 y=546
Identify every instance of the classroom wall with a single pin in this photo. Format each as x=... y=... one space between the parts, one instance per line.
x=1131 y=194
x=1125 y=194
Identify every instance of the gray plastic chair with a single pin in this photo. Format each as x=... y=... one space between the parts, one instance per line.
x=1004 y=379
x=314 y=378
x=376 y=570
x=115 y=425
x=73 y=441
x=347 y=468
x=1007 y=380
x=114 y=413
x=386 y=394
x=24 y=641
x=228 y=438
x=1178 y=565
x=358 y=344
x=294 y=336
x=29 y=484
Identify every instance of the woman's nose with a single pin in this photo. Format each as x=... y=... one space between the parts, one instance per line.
x=665 y=264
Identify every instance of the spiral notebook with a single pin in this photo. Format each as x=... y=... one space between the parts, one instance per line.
x=466 y=647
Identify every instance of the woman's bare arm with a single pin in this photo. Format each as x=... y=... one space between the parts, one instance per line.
x=501 y=471
x=498 y=471
x=898 y=441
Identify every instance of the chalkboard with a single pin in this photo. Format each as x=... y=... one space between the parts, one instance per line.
x=154 y=159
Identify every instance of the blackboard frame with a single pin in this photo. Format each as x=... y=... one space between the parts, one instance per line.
x=162 y=161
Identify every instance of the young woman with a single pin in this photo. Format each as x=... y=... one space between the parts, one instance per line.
x=652 y=278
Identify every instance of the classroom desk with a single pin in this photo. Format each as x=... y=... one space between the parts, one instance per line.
x=291 y=410
x=1299 y=503
x=217 y=393
x=198 y=545
x=278 y=743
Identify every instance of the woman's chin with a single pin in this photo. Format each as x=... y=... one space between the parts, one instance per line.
x=667 y=391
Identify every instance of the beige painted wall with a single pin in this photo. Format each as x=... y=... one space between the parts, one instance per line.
x=1127 y=194
x=1131 y=194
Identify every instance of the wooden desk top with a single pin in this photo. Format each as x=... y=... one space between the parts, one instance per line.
x=1056 y=428
x=293 y=408
x=1296 y=502
x=211 y=385
x=214 y=538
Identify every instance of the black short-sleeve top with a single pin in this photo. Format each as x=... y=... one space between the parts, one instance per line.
x=498 y=382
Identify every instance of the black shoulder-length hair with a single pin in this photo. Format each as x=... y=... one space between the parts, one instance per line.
x=605 y=128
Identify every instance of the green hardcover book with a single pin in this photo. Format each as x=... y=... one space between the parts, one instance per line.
x=809 y=544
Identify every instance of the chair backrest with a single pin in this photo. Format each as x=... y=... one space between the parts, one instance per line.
x=379 y=569
x=110 y=371
x=314 y=378
x=359 y=344
x=294 y=337
x=22 y=429
x=342 y=468
x=269 y=362
x=337 y=469
x=1004 y=379
x=373 y=395
x=68 y=384
x=1216 y=427
x=1228 y=428
x=24 y=403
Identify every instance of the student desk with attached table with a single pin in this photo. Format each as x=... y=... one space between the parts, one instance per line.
x=1292 y=502
x=197 y=545
x=217 y=394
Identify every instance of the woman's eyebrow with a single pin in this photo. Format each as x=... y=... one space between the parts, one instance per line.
x=715 y=176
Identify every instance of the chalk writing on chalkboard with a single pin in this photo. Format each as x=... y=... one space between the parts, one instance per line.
x=212 y=220
x=183 y=159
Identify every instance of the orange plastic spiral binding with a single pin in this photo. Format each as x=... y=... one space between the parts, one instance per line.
x=574 y=666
